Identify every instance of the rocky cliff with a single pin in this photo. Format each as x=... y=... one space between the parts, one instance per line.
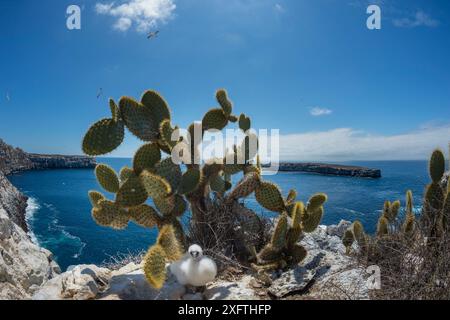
x=24 y=266
x=330 y=169
x=15 y=160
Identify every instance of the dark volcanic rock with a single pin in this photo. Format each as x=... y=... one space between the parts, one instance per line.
x=331 y=169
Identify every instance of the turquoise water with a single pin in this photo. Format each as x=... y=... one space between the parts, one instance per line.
x=60 y=220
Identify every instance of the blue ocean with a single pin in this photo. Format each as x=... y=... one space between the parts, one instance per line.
x=60 y=220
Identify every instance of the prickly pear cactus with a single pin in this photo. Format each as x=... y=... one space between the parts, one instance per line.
x=175 y=189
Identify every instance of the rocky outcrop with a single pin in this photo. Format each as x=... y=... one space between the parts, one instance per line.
x=13 y=202
x=330 y=169
x=54 y=161
x=14 y=160
x=24 y=266
x=327 y=273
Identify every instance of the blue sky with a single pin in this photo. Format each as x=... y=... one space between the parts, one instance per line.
x=336 y=90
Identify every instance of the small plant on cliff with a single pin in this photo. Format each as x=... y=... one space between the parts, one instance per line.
x=219 y=220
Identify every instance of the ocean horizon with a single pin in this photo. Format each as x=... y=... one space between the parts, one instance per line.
x=59 y=218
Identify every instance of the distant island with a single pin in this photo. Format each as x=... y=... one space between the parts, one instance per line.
x=329 y=169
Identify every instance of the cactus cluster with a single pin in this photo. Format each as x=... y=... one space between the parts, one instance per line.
x=435 y=211
x=173 y=190
x=436 y=208
x=295 y=220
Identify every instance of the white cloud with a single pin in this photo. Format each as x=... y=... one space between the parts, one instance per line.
x=419 y=19
x=317 y=112
x=144 y=14
x=347 y=144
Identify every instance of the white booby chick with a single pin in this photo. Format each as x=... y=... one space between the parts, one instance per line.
x=194 y=268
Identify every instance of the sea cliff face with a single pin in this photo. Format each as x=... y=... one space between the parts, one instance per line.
x=14 y=160
x=24 y=266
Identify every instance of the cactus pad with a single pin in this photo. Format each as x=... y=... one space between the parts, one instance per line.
x=109 y=214
x=246 y=186
x=156 y=186
x=269 y=196
x=244 y=123
x=95 y=197
x=311 y=220
x=103 y=137
x=107 y=178
x=139 y=119
x=278 y=240
x=225 y=103
x=214 y=119
x=168 y=241
x=157 y=106
x=145 y=216
x=132 y=192
x=437 y=166
x=146 y=157
x=189 y=181
x=155 y=266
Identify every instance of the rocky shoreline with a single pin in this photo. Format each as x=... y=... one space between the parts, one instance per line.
x=330 y=169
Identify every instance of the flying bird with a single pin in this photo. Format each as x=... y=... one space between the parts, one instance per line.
x=153 y=34
x=194 y=268
x=8 y=98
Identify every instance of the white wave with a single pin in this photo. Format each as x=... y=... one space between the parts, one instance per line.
x=32 y=207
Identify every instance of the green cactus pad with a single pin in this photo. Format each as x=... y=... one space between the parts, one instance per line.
x=244 y=123
x=434 y=197
x=246 y=186
x=166 y=131
x=139 y=119
x=409 y=224
x=225 y=103
x=232 y=118
x=348 y=239
x=155 y=266
x=214 y=119
x=293 y=236
x=156 y=186
x=145 y=216
x=109 y=214
x=103 y=137
x=146 y=157
x=107 y=178
x=409 y=202
x=292 y=195
x=316 y=201
x=170 y=171
x=95 y=197
x=394 y=209
x=168 y=241
x=269 y=196
x=114 y=110
x=189 y=181
x=125 y=173
x=437 y=166
x=297 y=213
x=311 y=220
x=157 y=105
x=298 y=254
x=165 y=205
x=268 y=254
x=382 y=226
x=278 y=240
x=132 y=192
